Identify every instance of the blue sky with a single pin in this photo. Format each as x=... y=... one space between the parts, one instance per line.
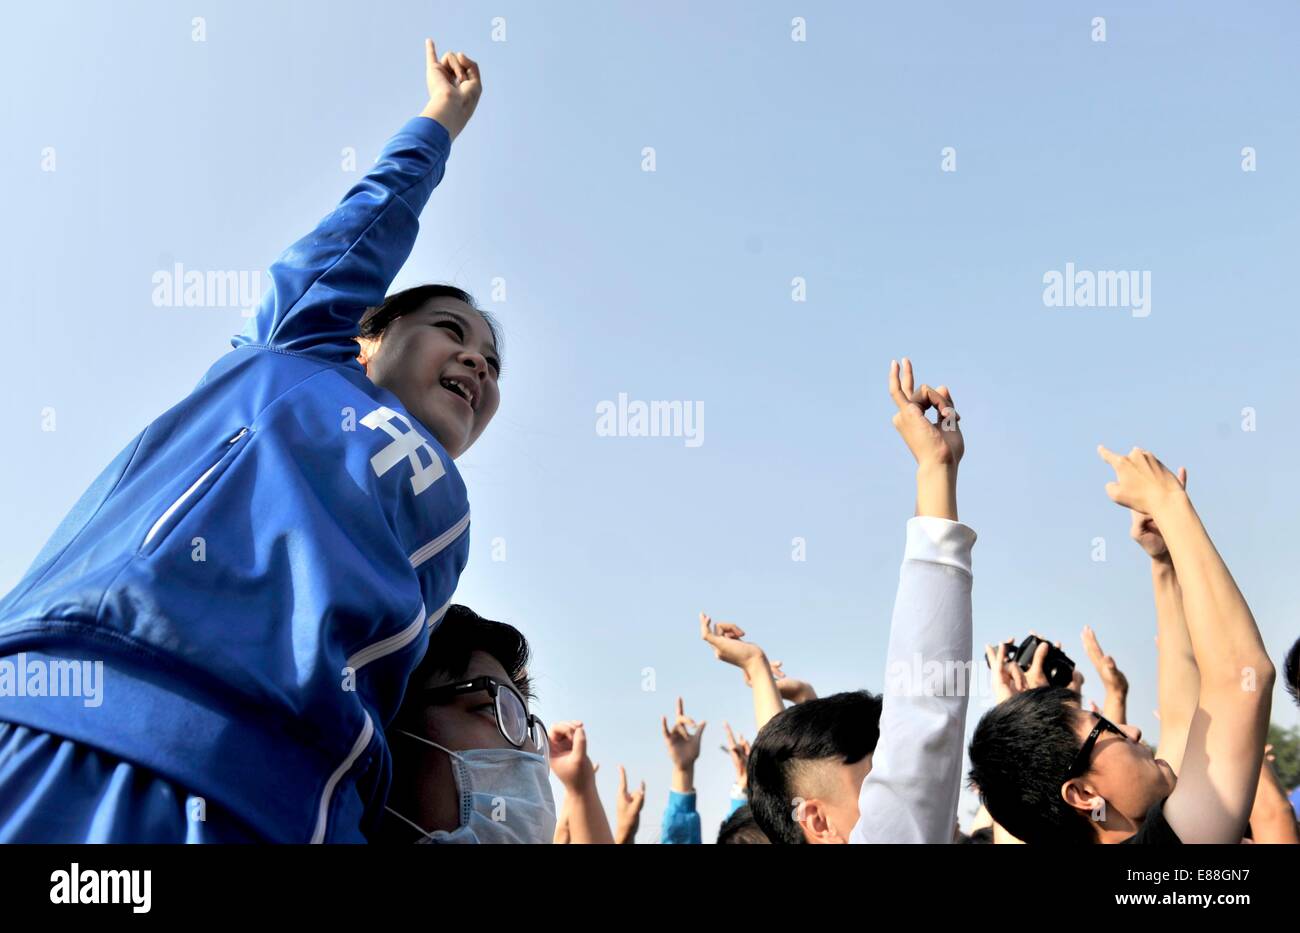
x=773 y=159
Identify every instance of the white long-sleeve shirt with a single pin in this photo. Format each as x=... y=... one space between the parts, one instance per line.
x=911 y=793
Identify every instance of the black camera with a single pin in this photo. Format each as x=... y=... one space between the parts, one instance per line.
x=1058 y=668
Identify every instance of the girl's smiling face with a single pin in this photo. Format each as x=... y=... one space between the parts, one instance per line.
x=441 y=361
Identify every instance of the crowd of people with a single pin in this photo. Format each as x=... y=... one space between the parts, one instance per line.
x=864 y=767
x=267 y=574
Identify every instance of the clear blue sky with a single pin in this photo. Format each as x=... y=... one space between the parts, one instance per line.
x=775 y=159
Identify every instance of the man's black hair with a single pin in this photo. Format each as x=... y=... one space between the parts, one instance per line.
x=842 y=729
x=740 y=829
x=1291 y=671
x=463 y=631
x=1020 y=756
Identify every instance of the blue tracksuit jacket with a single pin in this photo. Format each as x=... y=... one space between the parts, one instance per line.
x=258 y=570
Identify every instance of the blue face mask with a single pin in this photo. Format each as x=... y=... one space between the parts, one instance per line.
x=504 y=796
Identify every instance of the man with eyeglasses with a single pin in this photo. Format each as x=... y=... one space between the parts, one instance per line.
x=471 y=763
x=1049 y=772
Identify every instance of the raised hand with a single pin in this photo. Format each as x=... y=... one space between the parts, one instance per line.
x=569 y=758
x=1008 y=678
x=627 y=809
x=683 y=738
x=937 y=446
x=738 y=749
x=583 y=814
x=454 y=88
x=931 y=443
x=1146 y=532
x=796 y=691
x=1112 y=678
x=1142 y=483
x=725 y=639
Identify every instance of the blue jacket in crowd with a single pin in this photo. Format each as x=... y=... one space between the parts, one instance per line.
x=259 y=568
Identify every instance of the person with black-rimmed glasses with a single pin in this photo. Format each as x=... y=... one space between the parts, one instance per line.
x=470 y=762
x=1050 y=772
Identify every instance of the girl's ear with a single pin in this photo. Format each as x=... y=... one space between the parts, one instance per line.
x=367 y=347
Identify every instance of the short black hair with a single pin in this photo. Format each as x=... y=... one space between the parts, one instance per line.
x=843 y=728
x=1291 y=671
x=376 y=320
x=1020 y=755
x=463 y=631
x=740 y=829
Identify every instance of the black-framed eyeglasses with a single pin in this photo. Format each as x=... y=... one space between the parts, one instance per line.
x=1081 y=760
x=514 y=721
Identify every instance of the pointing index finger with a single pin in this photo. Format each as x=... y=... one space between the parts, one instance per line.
x=1108 y=455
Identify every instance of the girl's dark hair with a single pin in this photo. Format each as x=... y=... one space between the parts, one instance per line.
x=376 y=320
x=1020 y=753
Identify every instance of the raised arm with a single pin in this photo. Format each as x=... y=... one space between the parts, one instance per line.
x=681 y=820
x=324 y=283
x=727 y=641
x=1178 y=682
x=1272 y=819
x=910 y=794
x=627 y=810
x=1220 y=769
x=569 y=761
x=1112 y=678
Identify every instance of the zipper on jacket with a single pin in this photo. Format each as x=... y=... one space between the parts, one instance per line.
x=171 y=509
x=390 y=644
x=358 y=660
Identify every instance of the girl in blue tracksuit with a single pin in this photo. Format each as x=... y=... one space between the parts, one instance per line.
x=251 y=581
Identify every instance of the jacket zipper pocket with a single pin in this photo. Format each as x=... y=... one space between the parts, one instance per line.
x=226 y=451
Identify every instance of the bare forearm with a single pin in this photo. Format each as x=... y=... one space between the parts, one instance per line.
x=1272 y=819
x=684 y=778
x=1219 y=771
x=562 y=823
x=767 y=697
x=625 y=835
x=1115 y=707
x=936 y=491
x=1178 y=680
x=450 y=114
x=1275 y=827
x=1221 y=629
x=588 y=824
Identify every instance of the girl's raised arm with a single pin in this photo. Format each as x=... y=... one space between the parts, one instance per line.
x=324 y=283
